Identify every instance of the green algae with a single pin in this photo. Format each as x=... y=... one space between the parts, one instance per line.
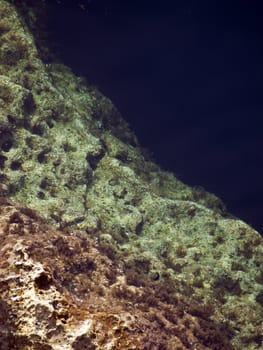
x=67 y=153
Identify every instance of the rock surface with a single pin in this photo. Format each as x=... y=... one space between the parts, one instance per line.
x=66 y=153
x=58 y=290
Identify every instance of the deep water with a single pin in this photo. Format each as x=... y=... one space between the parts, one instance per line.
x=187 y=78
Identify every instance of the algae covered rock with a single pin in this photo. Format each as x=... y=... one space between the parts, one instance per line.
x=66 y=153
x=60 y=291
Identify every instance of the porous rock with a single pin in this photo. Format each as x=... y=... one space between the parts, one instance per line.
x=58 y=290
x=66 y=152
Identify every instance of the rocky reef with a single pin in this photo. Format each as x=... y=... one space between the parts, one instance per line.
x=124 y=256
x=59 y=290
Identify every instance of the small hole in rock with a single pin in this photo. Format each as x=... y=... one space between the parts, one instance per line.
x=43 y=281
x=93 y=160
x=15 y=165
x=67 y=147
x=11 y=119
x=37 y=130
x=41 y=157
x=155 y=276
x=41 y=195
x=15 y=218
x=43 y=184
x=7 y=145
x=30 y=68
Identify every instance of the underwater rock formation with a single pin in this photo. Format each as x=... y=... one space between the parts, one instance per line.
x=58 y=290
x=66 y=153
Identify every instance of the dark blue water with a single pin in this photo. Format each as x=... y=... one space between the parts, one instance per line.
x=188 y=77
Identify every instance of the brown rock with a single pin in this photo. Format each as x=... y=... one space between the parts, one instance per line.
x=59 y=291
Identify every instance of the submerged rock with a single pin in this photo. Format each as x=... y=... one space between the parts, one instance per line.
x=59 y=290
x=66 y=153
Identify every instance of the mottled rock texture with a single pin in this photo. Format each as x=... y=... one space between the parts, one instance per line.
x=66 y=152
x=59 y=290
